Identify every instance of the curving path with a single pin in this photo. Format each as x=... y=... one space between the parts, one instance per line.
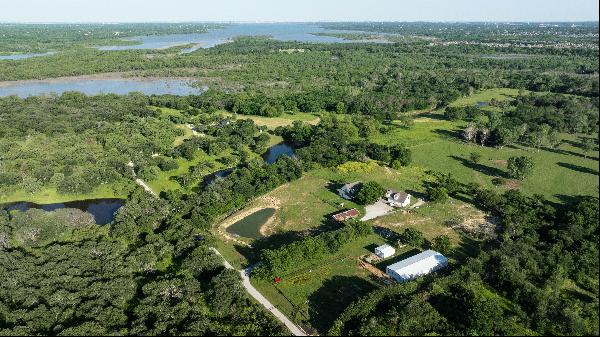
x=294 y=329
x=140 y=181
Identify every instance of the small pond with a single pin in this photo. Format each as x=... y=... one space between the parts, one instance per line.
x=209 y=179
x=249 y=227
x=25 y=56
x=481 y=104
x=103 y=210
x=100 y=86
x=277 y=151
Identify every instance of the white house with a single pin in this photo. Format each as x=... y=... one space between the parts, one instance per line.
x=385 y=251
x=348 y=191
x=397 y=199
x=417 y=265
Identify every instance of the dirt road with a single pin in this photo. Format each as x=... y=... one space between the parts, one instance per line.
x=294 y=329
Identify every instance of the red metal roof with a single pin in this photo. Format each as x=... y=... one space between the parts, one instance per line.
x=345 y=215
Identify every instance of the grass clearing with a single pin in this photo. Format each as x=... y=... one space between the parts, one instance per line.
x=316 y=296
x=50 y=195
x=498 y=94
x=436 y=144
x=283 y=120
x=165 y=180
x=187 y=134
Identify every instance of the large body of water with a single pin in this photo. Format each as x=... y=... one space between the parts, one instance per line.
x=103 y=210
x=101 y=86
x=301 y=32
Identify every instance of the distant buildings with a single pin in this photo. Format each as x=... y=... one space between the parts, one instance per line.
x=346 y=215
x=417 y=265
x=385 y=251
x=397 y=199
x=349 y=191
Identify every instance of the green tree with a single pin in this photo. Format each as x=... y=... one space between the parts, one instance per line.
x=587 y=145
x=442 y=244
x=411 y=237
x=438 y=194
x=475 y=157
x=520 y=167
x=369 y=193
x=400 y=155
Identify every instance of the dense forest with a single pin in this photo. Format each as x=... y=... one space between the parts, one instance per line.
x=77 y=143
x=148 y=273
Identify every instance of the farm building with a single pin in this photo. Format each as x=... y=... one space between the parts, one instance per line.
x=345 y=215
x=385 y=251
x=397 y=199
x=417 y=265
x=348 y=191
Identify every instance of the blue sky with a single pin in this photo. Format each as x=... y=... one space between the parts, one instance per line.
x=299 y=10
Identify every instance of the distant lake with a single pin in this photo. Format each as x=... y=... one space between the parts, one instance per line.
x=100 y=86
x=25 y=56
x=507 y=56
x=103 y=210
x=301 y=32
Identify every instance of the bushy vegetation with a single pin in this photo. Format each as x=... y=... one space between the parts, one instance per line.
x=534 y=120
x=75 y=143
x=305 y=252
x=369 y=193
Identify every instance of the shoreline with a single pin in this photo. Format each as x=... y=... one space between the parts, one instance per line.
x=93 y=77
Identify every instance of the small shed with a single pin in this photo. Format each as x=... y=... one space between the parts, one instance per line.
x=346 y=215
x=417 y=265
x=385 y=251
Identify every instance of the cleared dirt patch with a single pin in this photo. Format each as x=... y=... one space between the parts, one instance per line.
x=380 y=208
x=512 y=184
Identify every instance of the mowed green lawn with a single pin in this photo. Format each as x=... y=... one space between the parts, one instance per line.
x=436 y=144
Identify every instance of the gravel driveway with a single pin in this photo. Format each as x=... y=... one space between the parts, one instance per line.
x=376 y=210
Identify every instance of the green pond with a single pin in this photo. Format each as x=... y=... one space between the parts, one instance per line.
x=249 y=227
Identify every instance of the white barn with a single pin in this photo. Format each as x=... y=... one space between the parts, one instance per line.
x=385 y=251
x=417 y=265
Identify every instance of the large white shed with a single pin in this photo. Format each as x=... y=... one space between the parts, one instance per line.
x=385 y=251
x=417 y=265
